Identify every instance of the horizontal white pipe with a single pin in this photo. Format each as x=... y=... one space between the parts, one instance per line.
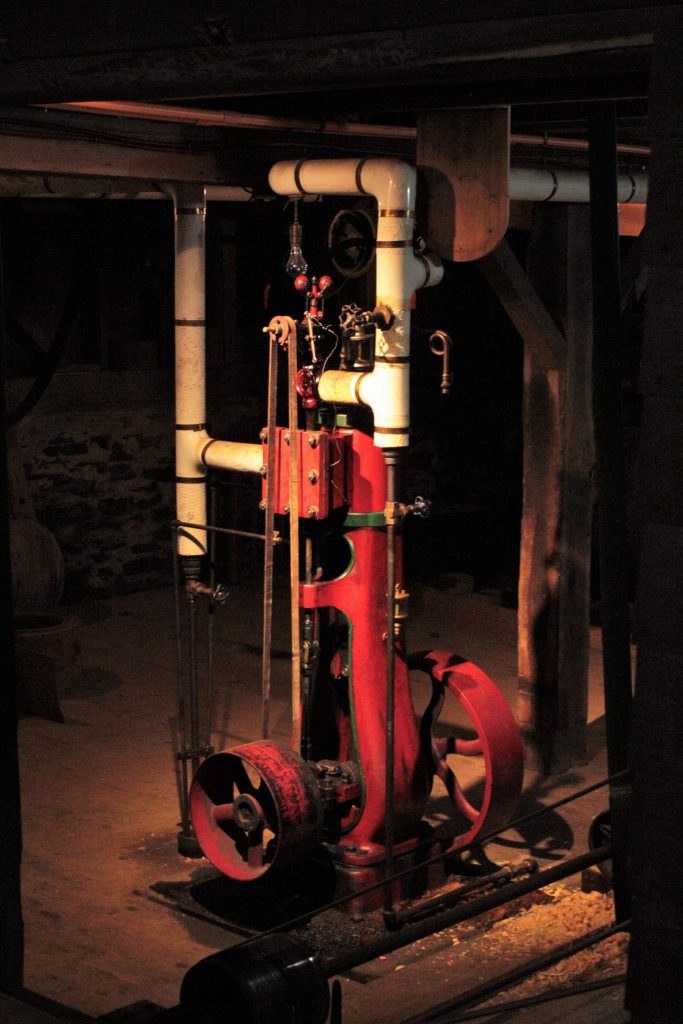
x=398 y=274
x=543 y=185
x=234 y=455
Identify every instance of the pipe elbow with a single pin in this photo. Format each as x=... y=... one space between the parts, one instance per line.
x=391 y=182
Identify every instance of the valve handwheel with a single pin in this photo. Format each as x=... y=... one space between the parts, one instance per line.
x=497 y=741
x=253 y=805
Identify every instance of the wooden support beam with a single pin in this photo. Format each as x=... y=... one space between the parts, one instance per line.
x=653 y=988
x=465 y=157
x=55 y=156
x=520 y=300
x=556 y=519
x=11 y=921
x=213 y=49
x=553 y=619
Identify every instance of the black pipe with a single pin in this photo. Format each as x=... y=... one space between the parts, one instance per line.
x=512 y=977
x=610 y=474
x=388 y=943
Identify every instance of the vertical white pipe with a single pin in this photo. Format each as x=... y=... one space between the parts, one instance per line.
x=399 y=274
x=190 y=369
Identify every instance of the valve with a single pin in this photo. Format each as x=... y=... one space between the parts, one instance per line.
x=307 y=386
x=218 y=594
x=421 y=507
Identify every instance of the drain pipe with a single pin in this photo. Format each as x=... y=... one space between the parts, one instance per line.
x=195 y=450
x=189 y=207
x=399 y=273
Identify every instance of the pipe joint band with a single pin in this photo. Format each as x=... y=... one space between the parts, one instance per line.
x=297 y=178
x=359 y=175
x=402 y=214
x=205 y=449
x=404 y=243
x=190 y=426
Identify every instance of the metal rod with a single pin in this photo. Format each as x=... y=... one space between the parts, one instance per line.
x=426 y=907
x=512 y=977
x=241 y=119
x=391 y=461
x=182 y=723
x=610 y=473
x=392 y=941
x=210 y=628
x=293 y=406
x=268 y=551
x=548 y=996
x=194 y=685
x=220 y=529
x=308 y=668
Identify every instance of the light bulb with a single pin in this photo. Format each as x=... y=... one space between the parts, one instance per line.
x=296 y=264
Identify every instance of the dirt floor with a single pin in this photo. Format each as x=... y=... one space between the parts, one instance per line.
x=101 y=873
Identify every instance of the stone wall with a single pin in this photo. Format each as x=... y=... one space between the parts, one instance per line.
x=98 y=453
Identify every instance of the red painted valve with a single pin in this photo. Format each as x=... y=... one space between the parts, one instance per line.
x=307 y=387
x=301 y=283
x=253 y=805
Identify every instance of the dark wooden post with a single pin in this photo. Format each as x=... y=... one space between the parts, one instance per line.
x=11 y=923
x=610 y=475
x=656 y=956
x=554 y=595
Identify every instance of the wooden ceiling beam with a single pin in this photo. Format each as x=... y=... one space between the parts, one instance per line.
x=83 y=65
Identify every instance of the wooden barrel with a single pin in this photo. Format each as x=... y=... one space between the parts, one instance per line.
x=37 y=567
x=48 y=662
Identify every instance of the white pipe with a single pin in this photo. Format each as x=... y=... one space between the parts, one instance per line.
x=234 y=455
x=190 y=330
x=545 y=185
x=398 y=274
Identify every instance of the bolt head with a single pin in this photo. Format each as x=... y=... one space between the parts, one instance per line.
x=263 y=436
x=313 y=440
x=262 y=504
x=313 y=476
x=312 y=511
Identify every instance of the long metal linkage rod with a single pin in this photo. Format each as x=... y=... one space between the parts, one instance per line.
x=293 y=405
x=391 y=462
x=269 y=546
x=543 y=997
x=392 y=941
x=182 y=724
x=219 y=529
x=444 y=1011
